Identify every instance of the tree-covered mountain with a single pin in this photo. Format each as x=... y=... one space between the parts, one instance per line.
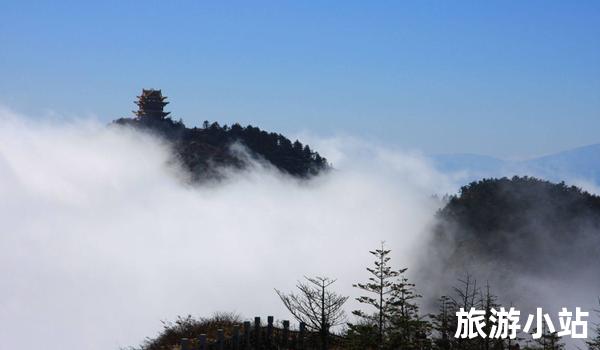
x=521 y=222
x=203 y=150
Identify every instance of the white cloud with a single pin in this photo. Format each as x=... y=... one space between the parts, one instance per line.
x=100 y=239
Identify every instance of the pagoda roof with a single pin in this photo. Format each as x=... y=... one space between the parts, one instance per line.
x=151 y=103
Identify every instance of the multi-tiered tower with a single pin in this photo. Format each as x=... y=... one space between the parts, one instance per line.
x=151 y=104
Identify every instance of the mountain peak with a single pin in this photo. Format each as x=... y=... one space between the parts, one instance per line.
x=203 y=150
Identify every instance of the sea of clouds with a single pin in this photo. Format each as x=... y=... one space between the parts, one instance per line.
x=102 y=237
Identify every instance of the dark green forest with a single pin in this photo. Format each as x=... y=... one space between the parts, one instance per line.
x=204 y=150
x=520 y=222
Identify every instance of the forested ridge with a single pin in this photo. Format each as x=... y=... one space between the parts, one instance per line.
x=204 y=150
x=524 y=222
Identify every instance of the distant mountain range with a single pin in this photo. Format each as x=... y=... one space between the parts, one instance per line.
x=579 y=165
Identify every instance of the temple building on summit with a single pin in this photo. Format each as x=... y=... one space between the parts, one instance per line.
x=151 y=104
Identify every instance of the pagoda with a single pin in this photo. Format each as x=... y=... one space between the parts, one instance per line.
x=151 y=104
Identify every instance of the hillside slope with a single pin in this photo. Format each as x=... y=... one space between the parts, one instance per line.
x=520 y=223
x=205 y=150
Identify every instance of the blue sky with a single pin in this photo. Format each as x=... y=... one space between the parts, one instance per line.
x=503 y=78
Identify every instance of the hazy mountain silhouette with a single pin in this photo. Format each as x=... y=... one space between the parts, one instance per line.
x=581 y=164
x=520 y=224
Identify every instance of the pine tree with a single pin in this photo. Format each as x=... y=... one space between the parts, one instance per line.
x=466 y=296
x=489 y=301
x=594 y=343
x=383 y=286
x=410 y=330
x=549 y=341
x=444 y=323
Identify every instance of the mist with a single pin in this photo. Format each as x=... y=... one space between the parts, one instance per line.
x=103 y=236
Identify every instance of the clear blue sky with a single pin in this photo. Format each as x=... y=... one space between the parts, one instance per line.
x=504 y=78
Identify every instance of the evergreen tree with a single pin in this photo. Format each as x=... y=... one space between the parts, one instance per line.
x=488 y=302
x=383 y=290
x=594 y=343
x=307 y=152
x=466 y=297
x=361 y=335
x=410 y=331
x=549 y=340
x=444 y=323
x=298 y=148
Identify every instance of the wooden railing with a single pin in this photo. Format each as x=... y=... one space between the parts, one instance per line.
x=256 y=337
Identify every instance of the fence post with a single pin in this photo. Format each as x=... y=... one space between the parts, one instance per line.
x=220 y=339
x=286 y=333
x=202 y=342
x=247 y=335
x=270 y=330
x=185 y=344
x=301 y=335
x=236 y=337
x=257 y=332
